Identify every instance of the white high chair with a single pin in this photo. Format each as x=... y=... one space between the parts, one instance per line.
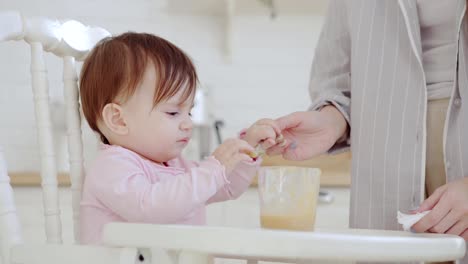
x=129 y=243
x=71 y=41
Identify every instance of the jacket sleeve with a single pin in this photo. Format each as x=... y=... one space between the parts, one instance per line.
x=239 y=181
x=330 y=80
x=127 y=191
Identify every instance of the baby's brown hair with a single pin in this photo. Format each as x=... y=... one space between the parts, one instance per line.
x=116 y=66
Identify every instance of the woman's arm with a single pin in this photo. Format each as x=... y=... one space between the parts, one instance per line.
x=330 y=80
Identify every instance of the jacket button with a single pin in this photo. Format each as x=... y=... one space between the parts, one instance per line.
x=457 y=102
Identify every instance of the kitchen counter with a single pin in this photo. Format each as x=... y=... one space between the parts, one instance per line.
x=336 y=169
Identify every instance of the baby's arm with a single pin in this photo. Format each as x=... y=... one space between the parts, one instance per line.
x=262 y=132
x=239 y=181
x=124 y=187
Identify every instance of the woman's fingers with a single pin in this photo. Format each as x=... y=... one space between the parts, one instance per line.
x=459 y=228
x=440 y=210
x=277 y=149
x=432 y=200
x=464 y=235
x=446 y=223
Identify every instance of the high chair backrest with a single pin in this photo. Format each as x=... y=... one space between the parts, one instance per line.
x=71 y=41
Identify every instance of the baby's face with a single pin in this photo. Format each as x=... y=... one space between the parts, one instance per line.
x=158 y=133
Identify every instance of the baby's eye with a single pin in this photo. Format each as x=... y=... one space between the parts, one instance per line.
x=190 y=114
x=172 y=113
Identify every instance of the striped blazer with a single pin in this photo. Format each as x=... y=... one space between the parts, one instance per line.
x=370 y=51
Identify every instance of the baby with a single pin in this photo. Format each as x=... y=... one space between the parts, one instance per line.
x=137 y=91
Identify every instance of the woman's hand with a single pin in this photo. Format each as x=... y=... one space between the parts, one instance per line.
x=449 y=215
x=309 y=133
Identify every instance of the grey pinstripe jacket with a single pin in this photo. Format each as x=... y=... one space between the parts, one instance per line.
x=370 y=51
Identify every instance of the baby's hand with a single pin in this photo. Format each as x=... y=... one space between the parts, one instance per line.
x=265 y=133
x=231 y=152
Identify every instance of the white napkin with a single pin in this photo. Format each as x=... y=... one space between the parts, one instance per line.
x=408 y=220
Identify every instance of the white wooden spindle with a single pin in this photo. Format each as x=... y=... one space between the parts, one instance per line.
x=45 y=138
x=75 y=140
x=70 y=40
x=10 y=231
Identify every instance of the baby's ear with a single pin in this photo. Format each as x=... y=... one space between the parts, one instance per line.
x=113 y=118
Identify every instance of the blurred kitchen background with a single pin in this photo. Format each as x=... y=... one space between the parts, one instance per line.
x=253 y=59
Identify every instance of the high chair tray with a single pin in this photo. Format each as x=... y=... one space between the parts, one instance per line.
x=263 y=244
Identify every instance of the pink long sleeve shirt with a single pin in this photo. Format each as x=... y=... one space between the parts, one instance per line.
x=122 y=186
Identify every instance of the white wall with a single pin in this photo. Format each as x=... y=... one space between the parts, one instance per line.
x=267 y=77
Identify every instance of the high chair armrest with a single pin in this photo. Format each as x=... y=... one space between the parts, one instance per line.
x=73 y=254
x=262 y=244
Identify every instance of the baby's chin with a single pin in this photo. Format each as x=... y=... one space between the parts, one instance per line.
x=165 y=158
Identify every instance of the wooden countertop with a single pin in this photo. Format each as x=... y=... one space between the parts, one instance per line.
x=335 y=171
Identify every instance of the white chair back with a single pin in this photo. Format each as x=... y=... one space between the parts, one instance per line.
x=71 y=41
